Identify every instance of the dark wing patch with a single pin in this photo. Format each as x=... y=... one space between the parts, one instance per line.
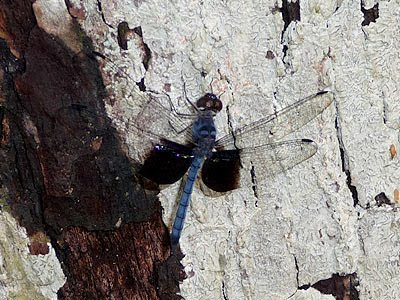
x=221 y=172
x=167 y=162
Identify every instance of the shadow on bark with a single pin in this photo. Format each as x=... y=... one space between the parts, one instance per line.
x=67 y=175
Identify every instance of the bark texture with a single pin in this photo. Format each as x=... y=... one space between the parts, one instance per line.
x=326 y=228
x=66 y=175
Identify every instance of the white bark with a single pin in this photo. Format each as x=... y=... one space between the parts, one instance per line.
x=22 y=275
x=241 y=247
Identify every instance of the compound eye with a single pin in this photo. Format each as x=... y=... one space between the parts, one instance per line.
x=202 y=102
x=218 y=105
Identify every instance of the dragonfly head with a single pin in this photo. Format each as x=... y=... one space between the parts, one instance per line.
x=209 y=102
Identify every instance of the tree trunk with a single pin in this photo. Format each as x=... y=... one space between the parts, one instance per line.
x=76 y=72
x=65 y=178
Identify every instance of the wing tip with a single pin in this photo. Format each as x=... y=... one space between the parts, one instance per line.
x=328 y=95
x=325 y=92
x=310 y=144
x=307 y=141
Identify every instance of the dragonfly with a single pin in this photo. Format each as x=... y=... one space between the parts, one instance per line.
x=216 y=161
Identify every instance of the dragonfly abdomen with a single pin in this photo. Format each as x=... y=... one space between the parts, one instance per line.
x=185 y=199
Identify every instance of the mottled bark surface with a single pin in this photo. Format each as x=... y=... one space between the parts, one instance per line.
x=67 y=174
x=328 y=227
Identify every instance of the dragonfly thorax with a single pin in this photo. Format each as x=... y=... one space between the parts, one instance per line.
x=204 y=134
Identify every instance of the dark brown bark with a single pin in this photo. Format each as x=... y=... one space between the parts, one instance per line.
x=66 y=173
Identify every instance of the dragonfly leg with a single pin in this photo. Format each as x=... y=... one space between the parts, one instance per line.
x=173 y=108
x=187 y=99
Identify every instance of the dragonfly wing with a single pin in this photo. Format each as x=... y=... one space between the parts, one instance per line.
x=150 y=113
x=164 y=161
x=149 y=122
x=167 y=162
x=221 y=171
x=155 y=118
x=272 y=159
x=274 y=127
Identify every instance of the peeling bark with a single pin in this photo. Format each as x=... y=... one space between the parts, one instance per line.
x=342 y=287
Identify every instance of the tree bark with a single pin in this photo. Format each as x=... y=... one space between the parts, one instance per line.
x=66 y=178
x=325 y=229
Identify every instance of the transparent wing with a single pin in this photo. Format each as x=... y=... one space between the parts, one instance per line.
x=272 y=159
x=274 y=127
x=155 y=120
x=98 y=122
x=152 y=114
x=221 y=173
